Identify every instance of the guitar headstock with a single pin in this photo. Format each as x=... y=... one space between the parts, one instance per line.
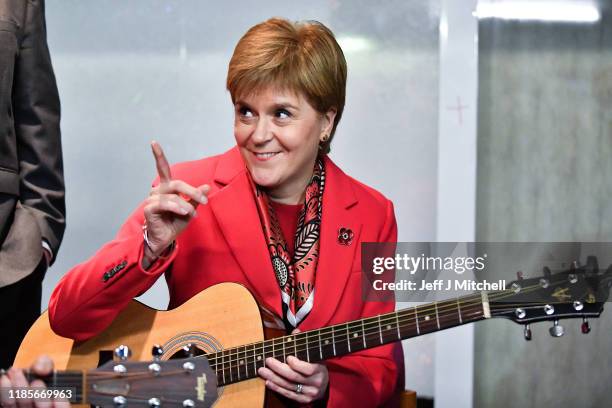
x=178 y=383
x=579 y=292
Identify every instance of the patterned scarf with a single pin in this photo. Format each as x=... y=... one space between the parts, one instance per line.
x=295 y=276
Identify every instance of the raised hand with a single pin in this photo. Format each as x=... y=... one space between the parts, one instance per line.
x=169 y=208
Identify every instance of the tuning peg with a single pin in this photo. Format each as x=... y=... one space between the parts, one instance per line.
x=547 y=273
x=527 y=332
x=189 y=350
x=154 y=402
x=556 y=330
x=123 y=352
x=519 y=275
x=119 y=401
x=585 y=327
x=157 y=351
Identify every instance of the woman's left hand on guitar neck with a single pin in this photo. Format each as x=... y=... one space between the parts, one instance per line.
x=311 y=380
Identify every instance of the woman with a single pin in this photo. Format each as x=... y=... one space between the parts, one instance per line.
x=274 y=214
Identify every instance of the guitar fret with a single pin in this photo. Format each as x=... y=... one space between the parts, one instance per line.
x=254 y=360
x=437 y=318
x=235 y=363
x=363 y=334
x=223 y=365
x=348 y=338
x=399 y=335
x=334 y=341
x=416 y=319
x=238 y=361
x=459 y=310
x=380 y=330
x=328 y=346
x=307 y=348
x=230 y=366
x=258 y=357
x=284 y=355
x=245 y=363
x=320 y=347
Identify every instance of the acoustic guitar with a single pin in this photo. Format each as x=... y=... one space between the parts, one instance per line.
x=223 y=324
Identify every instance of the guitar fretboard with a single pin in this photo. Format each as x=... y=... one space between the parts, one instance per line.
x=241 y=363
x=62 y=380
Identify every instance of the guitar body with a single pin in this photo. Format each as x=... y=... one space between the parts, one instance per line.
x=222 y=316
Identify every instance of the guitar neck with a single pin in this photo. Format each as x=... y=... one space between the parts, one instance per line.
x=70 y=383
x=241 y=363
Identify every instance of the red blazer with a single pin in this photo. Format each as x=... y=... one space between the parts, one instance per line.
x=227 y=243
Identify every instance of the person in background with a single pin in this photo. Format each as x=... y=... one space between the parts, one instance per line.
x=32 y=209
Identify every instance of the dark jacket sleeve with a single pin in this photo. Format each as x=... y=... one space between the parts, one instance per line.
x=37 y=115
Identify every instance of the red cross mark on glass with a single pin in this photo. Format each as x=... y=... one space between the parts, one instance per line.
x=459 y=108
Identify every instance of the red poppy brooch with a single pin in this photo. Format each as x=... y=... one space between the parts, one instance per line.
x=345 y=236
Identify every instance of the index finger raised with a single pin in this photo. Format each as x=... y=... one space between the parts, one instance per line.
x=163 y=168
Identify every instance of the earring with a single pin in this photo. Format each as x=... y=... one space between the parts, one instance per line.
x=325 y=138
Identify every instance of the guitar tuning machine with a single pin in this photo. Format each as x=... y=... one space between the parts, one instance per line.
x=154 y=368
x=585 y=327
x=556 y=330
x=154 y=402
x=157 y=352
x=119 y=401
x=120 y=369
x=123 y=352
x=527 y=332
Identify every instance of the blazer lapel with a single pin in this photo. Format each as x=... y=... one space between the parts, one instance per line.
x=335 y=259
x=236 y=212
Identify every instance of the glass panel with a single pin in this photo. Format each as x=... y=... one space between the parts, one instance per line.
x=544 y=173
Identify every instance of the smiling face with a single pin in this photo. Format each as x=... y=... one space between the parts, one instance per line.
x=278 y=134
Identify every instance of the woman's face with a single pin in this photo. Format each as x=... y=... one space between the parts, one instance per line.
x=278 y=134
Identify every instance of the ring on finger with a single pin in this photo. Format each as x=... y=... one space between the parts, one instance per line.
x=298 y=388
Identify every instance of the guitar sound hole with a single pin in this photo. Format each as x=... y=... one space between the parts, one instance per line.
x=184 y=354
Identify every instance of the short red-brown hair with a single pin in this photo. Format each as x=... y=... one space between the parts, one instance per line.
x=302 y=57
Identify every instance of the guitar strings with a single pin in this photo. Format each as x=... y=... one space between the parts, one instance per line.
x=228 y=359
x=345 y=337
x=391 y=316
x=388 y=317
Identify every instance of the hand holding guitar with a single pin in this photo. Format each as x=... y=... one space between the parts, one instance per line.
x=16 y=379
x=170 y=207
x=298 y=380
